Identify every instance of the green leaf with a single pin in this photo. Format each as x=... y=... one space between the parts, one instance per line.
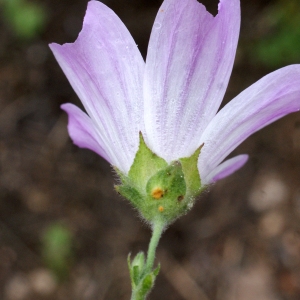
x=27 y=19
x=57 y=249
x=156 y=270
x=136 y=275
x=130 y=270
x=147 y=284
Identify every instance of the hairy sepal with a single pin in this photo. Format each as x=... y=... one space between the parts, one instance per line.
x=158 y=190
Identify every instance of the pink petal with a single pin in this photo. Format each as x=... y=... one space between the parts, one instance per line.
x=105 y=68
x=269 y=99
x=189 y=62
x=225 y=169
x=82 y=130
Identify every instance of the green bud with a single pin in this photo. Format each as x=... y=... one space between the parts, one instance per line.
x=136 y=268
x=161 y=192
x=141 y=281
x=139 y=260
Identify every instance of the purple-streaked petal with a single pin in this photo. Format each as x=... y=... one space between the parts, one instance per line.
x=272 y=97
x=82 y=130
x=225 y=169
x=189 y=62
x=105 y=68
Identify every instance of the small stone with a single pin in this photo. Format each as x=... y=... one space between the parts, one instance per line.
x=269 y=191
x=17 y=288
x=42 y=282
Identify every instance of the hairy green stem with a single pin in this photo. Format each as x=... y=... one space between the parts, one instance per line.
x=137 y=295
x=140 y=293
x=158 y=228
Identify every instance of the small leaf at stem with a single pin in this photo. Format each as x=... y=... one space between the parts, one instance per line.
x=156 y=270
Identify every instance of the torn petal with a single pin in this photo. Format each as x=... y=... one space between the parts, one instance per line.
x=189 y=62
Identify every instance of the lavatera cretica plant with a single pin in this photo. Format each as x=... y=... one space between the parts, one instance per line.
x=157 y=123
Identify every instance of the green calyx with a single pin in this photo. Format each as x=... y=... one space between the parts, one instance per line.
x=161 y=191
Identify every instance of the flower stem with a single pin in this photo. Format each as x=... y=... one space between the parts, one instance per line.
x=136 y=295
x=158 y=228
x=145 y=281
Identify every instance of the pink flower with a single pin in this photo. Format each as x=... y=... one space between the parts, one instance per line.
x=173 y=98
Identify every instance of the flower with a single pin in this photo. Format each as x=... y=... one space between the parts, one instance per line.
x=173 y=98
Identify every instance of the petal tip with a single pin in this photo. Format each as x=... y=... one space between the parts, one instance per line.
x=64 y=106
x=54 y=46
x=225 y=169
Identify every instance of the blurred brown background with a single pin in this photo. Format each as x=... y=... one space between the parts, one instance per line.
x=64 y=232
